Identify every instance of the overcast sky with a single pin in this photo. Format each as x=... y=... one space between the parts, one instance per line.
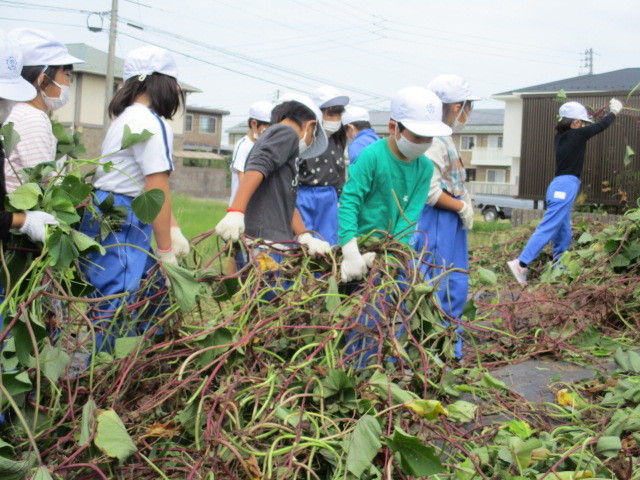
x=238 y=52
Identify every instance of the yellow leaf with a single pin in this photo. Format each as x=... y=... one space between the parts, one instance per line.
x=580 y=474
x=267 y=263
x=429 y=409
x=570 y=399
x=163 y=430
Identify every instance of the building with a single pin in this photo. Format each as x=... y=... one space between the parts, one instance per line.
x=203 y=129
x=530 y=117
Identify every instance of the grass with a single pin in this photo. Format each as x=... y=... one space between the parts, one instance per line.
x=484 y=233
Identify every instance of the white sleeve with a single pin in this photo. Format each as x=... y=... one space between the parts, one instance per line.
x=154 y=155
x=439 y=155
x=241 y=154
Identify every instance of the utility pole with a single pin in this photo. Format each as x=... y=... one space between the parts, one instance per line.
x=110 y=62
x=588 y=60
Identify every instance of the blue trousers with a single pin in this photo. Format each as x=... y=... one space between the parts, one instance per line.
x=442 y=241
x=121 y=269
x=319 y=209
x=556 y=223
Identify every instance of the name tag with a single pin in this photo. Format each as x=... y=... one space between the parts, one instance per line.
x=560 y=195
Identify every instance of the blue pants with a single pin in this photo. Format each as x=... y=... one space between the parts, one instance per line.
x=442 y=241
x=556 y=224
x=319 y=209
x=119 y=270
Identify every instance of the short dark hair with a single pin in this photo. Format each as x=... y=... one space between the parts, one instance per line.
x=32 y=72
x=563 y=125
x=164 y=93
x=294 y=111
x=361 y=125
x=259 y=124
x=335 y=110
x=400 y=126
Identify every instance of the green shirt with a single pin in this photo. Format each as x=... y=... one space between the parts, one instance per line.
x=383 y=193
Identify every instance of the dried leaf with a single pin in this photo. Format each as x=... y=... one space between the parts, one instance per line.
x=570 y=399
x=267 y=263
x=163 y=430
x=252 y=468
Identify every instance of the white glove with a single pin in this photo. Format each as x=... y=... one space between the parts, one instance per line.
x=231 y=226
x=315 y=245
x=466 y=213
x=354 y=265
x=168 y=257
x=34 y=225
x=615 y=106
x=179 y=243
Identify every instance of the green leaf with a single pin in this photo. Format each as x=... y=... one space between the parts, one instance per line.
x=126 y=345
x=491 y=382
x=609 y=446
x=416 y=458
x=523 y=452
x=561 y=96
x=634 y=361
x=184 y=286
x=221 y=336
x=462 y=411
x=335 y=382
x=61 y=133
x=42 y=473
x=621 y=360
x=53 y=362
x=16 y=469
x=147 y=206
x=88 y=421
x=62 y=249
x=470 y=309
x=84 y=243
x=129 y=139
x=520 y=428
x=383 y=386
x=112 y=437
x=628 y=156
x=76 y=189
x=25 y=197
x=10 y=138
x=332 y=300
x=16 y=382
x=620 y=260
x=487 y=276
x=363 y=445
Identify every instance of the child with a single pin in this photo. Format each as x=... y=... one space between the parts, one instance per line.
x=357 y=124
x=150 y=95
x=387 y=189
x=442 y=230
x=49 y=68
x=259 y=119
x=570 y=144
x=322 y=176
x=265 y=204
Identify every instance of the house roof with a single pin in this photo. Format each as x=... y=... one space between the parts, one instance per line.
x=96 y=63
x=210 y=111
x=615 y=81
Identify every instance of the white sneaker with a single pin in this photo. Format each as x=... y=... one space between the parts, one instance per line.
x=519 y=272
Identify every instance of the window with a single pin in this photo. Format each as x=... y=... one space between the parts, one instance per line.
x=188 y=123
x=496 y=176
x=467 y=142
x=207 y=124
x=471 y=174
x=495 y=141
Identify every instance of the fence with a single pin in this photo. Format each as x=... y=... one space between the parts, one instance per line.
x=522 y=217
x=492 y=188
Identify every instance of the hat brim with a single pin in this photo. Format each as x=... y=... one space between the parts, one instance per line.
x=435 y=129
x=17 y=91
x=66 y=60
x=342 y=100
x=319 y=145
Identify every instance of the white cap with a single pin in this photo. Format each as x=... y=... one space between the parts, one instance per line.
x=12 y=85
x=319 y=145
x=328 y=96
x=261 y=111
x=451 y=89
x=354 y=114
x=420 y=111
x=575 y=111
x=42 y=48
x=147 y=60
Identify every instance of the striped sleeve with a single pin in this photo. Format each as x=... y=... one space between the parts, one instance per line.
x=154 y=154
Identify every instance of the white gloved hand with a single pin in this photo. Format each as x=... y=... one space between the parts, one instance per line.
x=466 y=214
x=354 y=265
x=168 y=257
x=179 y=243
x=615 y=106
x=315 y=245
x=34 y=225
x=231 y=226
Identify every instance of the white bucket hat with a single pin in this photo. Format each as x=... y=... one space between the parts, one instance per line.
x=328 y=96
x=574 y=110
x=12 y=85
x=320 y=143
x=355 y=114
x=452 y=89
x=261 y=111
x=147 y=60
x=42 y=48
x=420 y=111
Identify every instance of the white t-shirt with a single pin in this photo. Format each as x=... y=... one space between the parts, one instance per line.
x=37 y=143
x=138 y=161
x=238 y=162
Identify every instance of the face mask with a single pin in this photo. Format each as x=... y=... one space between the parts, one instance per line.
x=5 y=109
x=457 y=124
x=256 y=134
x=409 y=149
x=53 y=103
x=331 y=127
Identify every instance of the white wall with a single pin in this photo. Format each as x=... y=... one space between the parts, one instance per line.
x=512 y=135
